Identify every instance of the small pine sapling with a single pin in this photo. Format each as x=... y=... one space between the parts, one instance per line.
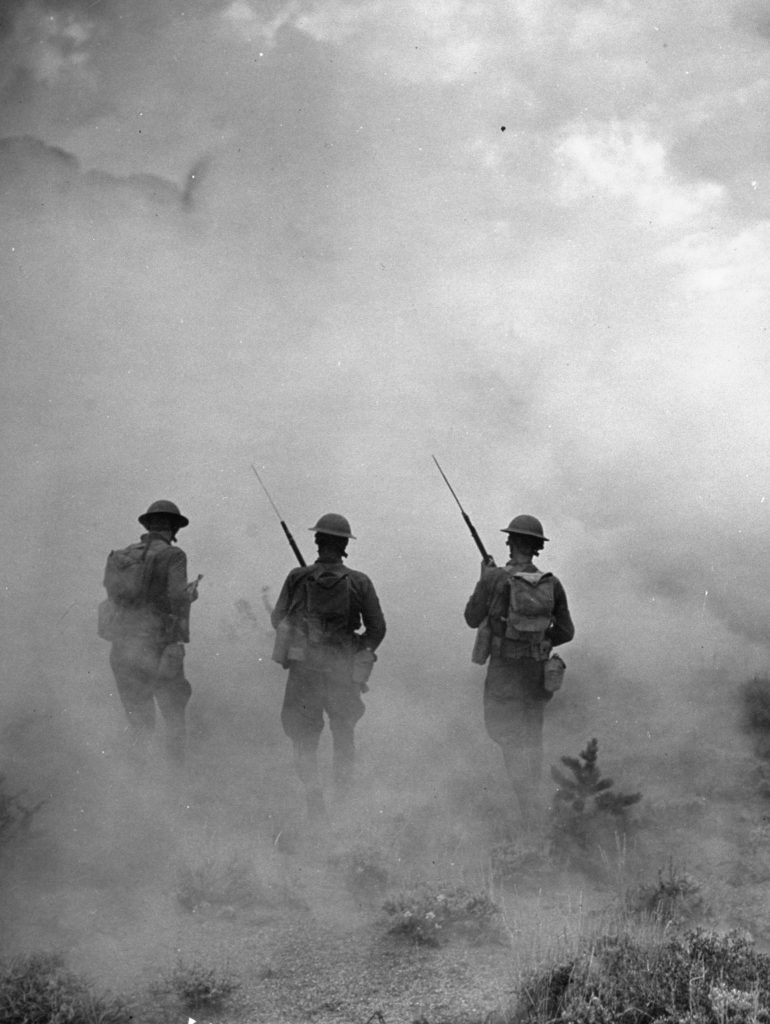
x=584 y=802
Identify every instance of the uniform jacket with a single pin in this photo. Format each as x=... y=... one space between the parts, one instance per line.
x=364 y=604
x=165 y=616
x=490 y=599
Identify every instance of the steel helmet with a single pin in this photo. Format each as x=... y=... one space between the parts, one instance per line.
x=164 y=508
x=528 y=526
x=334 y=525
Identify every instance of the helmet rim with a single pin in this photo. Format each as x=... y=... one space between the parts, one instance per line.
x=163 y=507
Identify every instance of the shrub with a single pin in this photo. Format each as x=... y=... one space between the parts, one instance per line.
x=698 y=977
x=38 y=989
x=428 y=917
x=675 y=899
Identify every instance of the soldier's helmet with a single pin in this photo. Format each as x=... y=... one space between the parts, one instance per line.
x=164 y=508
x=333 y=525
x=527 y=526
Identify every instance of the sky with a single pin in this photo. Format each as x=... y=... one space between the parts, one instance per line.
x=333 y=239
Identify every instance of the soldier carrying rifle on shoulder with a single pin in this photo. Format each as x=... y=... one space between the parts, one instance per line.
x=520 y=615
x=318 y=619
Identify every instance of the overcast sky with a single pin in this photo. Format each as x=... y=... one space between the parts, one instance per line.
x=335 y=238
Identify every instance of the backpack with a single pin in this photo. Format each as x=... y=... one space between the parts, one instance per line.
x=322 y=607
x=126 y=575
x=530 y=607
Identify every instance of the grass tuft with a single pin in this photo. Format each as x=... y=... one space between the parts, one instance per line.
x=199 y=987
x=222 y=882
x=39 y=989
x=429 y=916
x=697 y=978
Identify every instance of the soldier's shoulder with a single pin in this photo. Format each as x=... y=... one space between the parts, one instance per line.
x=167 y=552
x=359 y=577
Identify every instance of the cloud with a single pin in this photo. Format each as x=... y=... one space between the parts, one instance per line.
x=624 y=161
x=49 y=43
x=296 y=234
x=250 y=26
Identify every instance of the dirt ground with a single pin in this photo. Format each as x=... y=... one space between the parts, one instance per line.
x=101 y=877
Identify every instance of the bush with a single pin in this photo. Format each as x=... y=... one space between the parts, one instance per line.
x=38 y=989
x=698 y=978
x=675 y=899
x=429 y=917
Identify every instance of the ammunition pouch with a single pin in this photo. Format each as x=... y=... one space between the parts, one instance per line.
x=514 y=650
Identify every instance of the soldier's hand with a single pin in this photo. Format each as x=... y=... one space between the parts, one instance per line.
x=487 y=564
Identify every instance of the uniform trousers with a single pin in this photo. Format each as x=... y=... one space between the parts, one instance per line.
x=514 y=704
x=148 y=672
x=322 y=684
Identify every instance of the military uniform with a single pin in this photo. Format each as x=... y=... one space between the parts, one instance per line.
x=321 y=671
x=147 y=653
x=514 y=692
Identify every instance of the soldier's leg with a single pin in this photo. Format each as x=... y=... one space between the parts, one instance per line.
x=172 y=692
x=133 y=664
x=344 y=708
x=302 y=721
x=513 y=714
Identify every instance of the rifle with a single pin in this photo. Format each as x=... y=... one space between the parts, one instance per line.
x=284 y=527
x=483 y=551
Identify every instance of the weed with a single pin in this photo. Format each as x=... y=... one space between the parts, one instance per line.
x=585 y=808
x=675 y=899
x=229 y=882
x=699 y=978
x=15 y=814
x=363 y=871
x=518 y=858
x=38 y=989
x=198 y=986
x=429 y=917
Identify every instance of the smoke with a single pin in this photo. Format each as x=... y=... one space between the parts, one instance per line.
x=334 y=239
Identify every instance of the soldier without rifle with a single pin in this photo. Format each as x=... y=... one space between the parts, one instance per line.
x=146 y=618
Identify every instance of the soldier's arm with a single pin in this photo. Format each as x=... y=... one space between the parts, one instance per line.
x=371 y=616
x=562 y=629
x=281 y=609
x=176 y=582
x=477 y=608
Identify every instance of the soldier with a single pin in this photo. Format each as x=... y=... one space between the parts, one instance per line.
x=149 y=608
x=317 y=616
x=527 y=615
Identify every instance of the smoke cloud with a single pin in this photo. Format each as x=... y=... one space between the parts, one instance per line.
x=336 y=238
